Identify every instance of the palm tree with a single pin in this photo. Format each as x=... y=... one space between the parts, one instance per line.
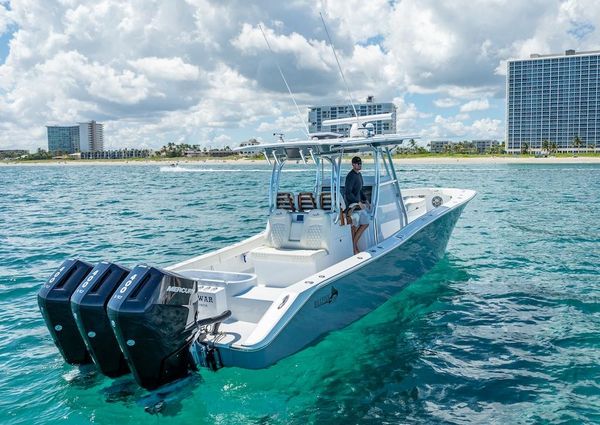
x=590 y=146
x=546 y=145
x=577 y=143
x=553 y=147
x=413 y=144
x=525 y=148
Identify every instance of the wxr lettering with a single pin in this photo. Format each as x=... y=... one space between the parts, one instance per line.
x=205 y=299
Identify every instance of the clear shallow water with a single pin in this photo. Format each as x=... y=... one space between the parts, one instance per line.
x=505 y=329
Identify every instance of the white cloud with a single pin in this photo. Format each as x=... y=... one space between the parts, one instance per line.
x=283 y=124
x=195 y=70
x=445 y=103
x=456 y=128
x=308 y=53
x=487 y=128
x=221 y=141
x=5 y=19
x=357 y=20
x=475 y=105
x=174 y=69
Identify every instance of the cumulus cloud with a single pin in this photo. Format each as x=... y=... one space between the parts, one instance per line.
x=455 y=127
x=200 y=71
x=445 y=102
x=475 y=105
x=308 y=53
x=174 y=69
x=5 y=19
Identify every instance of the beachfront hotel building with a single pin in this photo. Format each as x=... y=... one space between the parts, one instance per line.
x=554 y=98
x=439 y=146
x=318 y=114
x=91 y=136
x=84 y=137
x=63 y=139
x=117 y=154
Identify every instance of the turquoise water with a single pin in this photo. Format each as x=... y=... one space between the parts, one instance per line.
x=505 y=329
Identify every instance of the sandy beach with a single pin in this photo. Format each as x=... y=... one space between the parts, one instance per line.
x=242 y=161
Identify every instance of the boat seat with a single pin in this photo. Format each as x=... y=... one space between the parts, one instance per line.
x=281 y=267
x=326 y=205
x=326 y=200
x=284 y=261
x=315 y=234
x=280 y=223
x=412 y=204
x=306 y=201
x=285 y=201
x=412 y=201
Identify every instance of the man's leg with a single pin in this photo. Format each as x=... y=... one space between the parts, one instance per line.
x=357 y=234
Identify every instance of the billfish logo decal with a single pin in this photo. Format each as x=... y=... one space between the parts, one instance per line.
x=327 y=299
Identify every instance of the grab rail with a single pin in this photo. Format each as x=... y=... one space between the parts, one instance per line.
x=216 y=320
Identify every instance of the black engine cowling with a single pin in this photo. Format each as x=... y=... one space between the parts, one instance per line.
x=54 y=300
x=88 y=304
x=153 y=314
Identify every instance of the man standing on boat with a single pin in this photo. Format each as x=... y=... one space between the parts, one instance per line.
x=356 y=198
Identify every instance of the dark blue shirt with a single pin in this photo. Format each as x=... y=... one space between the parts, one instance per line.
x=353 y=188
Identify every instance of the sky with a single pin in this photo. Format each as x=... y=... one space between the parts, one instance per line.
x=200 y=72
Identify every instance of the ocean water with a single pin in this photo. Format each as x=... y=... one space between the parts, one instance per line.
x=505 y=329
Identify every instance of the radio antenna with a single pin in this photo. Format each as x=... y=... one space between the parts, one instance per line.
x=285 y=81
x=338 y=64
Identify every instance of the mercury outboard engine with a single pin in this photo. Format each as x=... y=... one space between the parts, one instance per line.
x=54 y=299
x=153 y=314
x=88 y=304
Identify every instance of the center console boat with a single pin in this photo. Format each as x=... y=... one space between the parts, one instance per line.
x=255 y=302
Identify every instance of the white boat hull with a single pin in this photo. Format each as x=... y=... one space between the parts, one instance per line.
x=344 y=298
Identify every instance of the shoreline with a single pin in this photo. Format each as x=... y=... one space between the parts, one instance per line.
x=240 y=161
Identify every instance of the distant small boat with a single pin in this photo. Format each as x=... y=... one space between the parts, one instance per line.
x=257 y=301
x=172 y=167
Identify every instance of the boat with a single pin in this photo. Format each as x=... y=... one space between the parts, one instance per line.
x=262 y=299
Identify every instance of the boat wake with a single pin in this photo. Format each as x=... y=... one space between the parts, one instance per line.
x=179 y=169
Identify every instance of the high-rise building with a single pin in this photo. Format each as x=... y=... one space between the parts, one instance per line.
x=318 y=114
x=553 y=98
x=85 y=137
x=91 y=136
x=63 y=139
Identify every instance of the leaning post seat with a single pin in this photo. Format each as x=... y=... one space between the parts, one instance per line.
x=326 y=201
x=306 y=201
x=280 y=223
x=327 y=206
x=285 y=201
x=286 y=261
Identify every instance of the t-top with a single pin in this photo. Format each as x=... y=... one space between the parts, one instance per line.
x=353 y=188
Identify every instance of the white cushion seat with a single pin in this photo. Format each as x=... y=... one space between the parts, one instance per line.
x=279 y=228
x=412 y=201
x=412 y=204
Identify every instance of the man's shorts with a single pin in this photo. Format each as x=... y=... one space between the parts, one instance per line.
x=360 y=217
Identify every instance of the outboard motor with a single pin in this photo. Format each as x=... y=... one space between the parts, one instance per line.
x=153 y=314
x=88 y=304
x=54 y=299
